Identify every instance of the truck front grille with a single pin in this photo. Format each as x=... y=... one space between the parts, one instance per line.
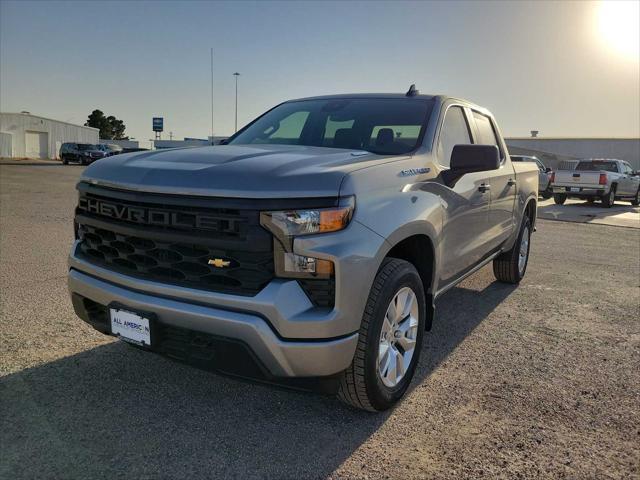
x=190 y=265
x=201 y=246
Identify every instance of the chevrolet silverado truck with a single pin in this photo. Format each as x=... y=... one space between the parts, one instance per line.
x=604 y=179
x=310 y=249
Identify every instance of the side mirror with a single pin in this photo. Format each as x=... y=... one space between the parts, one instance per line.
x=474 y=158
x=548 y=170
x=471 y=158
x=224 y=141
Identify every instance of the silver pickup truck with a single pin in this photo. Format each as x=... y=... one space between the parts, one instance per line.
x=592 y=179
x=544 y=174
x=310 y=249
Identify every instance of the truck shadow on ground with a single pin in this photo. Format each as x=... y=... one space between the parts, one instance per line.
x=116 y=411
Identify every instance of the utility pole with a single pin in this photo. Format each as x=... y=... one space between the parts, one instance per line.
x=212 y=95
x=236 y=75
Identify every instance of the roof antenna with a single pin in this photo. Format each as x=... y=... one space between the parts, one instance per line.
x=412 y=91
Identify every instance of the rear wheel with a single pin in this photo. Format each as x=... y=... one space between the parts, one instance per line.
x=636 y=200
x=390 y=339
x=65 y=161
x=559 y=198
x=610 y=198
x=590 y=200
x=510 y=267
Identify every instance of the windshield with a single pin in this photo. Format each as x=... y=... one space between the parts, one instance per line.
x=86 y=146
x=595 y=165
x=385 y=126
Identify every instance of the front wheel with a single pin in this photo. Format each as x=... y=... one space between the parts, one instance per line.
x=636 y=200
x=546 y=194
x=390 y=339
x=559 y=198
x=510 y=267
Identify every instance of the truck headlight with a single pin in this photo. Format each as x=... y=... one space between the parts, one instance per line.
x=288 y=224
x=293 y=223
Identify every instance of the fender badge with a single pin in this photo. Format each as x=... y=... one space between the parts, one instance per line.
x=219 y=263
x=414 y=171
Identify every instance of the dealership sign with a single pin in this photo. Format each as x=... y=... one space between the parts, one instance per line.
x=158 y=124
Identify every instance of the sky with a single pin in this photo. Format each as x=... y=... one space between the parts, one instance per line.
x=563 y=68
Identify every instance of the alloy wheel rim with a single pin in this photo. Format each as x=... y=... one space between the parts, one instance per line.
x=524 y=251
x=398 y=337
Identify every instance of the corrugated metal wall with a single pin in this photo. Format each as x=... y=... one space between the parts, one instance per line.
x=622 y=148
x=30 y=135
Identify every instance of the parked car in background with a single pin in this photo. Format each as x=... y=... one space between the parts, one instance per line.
x=110 y=149
x=544 y=174
x=603 y=179
x=82 y=153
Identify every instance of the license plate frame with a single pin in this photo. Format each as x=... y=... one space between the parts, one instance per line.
x=132 y=326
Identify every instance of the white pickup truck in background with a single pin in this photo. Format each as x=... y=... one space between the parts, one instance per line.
x=604 y=179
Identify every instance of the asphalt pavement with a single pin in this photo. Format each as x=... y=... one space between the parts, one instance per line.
x=535 y=381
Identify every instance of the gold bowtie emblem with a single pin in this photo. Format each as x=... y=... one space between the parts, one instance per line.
x=218 y=262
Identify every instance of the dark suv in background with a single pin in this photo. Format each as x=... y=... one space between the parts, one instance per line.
x=83 y=153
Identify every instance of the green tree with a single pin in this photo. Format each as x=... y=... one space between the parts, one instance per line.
x=110 y=127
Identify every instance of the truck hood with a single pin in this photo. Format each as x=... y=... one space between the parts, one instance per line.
x=261 y=171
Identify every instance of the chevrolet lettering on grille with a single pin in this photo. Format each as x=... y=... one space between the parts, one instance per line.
x=158 y=217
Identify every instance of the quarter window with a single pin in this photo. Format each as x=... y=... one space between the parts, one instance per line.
x=455 y=131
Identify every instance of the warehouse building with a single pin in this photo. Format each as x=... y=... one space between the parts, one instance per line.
x=23 y=135
x=552 y=151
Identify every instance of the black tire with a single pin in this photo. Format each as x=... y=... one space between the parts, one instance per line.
x=361 y=385
x=609 y=199
x=65 y=161
x=506 y=265
x=591 y=200
x=547 y=194
x=635 y=201
x=559 y=198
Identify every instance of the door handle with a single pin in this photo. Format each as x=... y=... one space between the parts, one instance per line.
x=511 y=182
x=484 y=187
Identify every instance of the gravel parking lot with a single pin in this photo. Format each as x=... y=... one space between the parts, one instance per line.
x=539 y=381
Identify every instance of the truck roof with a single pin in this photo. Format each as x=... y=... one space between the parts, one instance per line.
x=364 y=95
x=419 y=96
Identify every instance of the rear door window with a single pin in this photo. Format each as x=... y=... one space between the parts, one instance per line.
x=486 y=131
x=454 y=131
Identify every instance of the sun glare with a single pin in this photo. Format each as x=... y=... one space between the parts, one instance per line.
x=619 y=25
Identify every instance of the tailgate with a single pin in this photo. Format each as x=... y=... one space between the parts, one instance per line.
x=577 y=178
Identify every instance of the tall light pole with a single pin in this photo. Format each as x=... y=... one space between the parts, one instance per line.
x=211 y=95
x=236 y=75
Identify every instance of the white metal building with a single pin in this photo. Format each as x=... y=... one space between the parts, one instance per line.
x=552 y=150
x=23 y=135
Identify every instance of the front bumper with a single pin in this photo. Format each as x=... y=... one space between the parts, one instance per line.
x=280 y=326
x=280 y=358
